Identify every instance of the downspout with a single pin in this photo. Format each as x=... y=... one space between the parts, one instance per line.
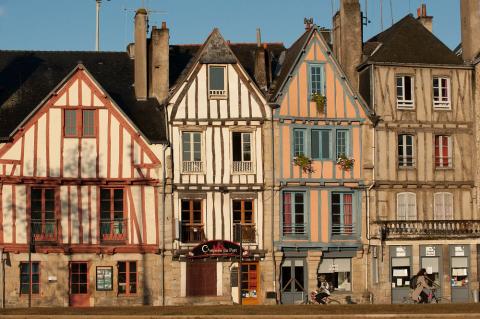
x=2 y=260
x=272 y=219
x=164 y=183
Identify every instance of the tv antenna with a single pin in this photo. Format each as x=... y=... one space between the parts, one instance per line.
x=97 y=26
x=126 y=10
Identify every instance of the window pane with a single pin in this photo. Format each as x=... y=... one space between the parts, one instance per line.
x=122 y=267
x=70 y=122
x=298 y=149
x=408 y=88
x=316 y=79
x=299 y=278
x=237 y=146
x=186 y=146
x=88 y=123
x=342 y=143
x=217 y=78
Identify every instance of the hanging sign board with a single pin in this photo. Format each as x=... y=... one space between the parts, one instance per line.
x=215 y=248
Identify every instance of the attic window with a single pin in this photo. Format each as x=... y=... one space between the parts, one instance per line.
x=217 y=81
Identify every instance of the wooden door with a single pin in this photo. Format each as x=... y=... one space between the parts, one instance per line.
x=201 y=278
x=250 y=284
x=78 y=281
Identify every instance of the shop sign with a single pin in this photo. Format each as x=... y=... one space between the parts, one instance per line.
x=401 y=251
x=215 y=248
x=459 y=251
x=104 y=278
x=430 y=251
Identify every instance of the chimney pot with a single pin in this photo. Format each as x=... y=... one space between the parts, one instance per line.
x=259 y=38
x=425 y=20
x=164 y=25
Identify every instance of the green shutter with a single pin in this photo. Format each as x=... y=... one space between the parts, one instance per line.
x=315 y=144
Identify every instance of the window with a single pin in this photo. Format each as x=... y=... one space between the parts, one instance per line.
x=406 y=206
x=243 y=218
x=294 y=214
x=79 y=123
x=336 y=271
x=249 y=284
x=405 y=150
x=342 y=214
x=192 y=152
x=343 y=146
x=404 y=92
x=127 y=277
x=443 y=206
x=29 y=280
x=192 y=221
x=79 y=278
x=299 y=142
x=242 y=152
x=443 y=151
x=217 y=81
x=293 y=276
x=317 y=79
x=320 y=144
x=43 y=222
x=441 y=93
x=113 y=226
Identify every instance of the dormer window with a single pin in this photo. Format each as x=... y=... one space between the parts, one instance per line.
x=405 y=92
x=217 y=83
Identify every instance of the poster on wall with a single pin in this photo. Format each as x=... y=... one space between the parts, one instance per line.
x=104 y=278
x=430 y=251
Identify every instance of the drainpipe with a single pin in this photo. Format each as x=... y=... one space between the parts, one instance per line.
x=3 y=260
x=272 y=220
x=164 y=148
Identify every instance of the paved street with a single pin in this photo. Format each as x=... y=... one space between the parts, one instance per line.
x=342 y=311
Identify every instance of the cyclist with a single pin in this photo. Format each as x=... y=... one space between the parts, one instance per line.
x=323 y=290
x=422 y=289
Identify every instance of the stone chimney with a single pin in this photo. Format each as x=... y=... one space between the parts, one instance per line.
x=261 y=64
x=158 y=75
x=470 y=20
x=348 y=42
x=423 y=18
x=140 y=61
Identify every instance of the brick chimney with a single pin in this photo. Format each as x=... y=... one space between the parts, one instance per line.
x=422 y=17
x=158 y=77
x=348 y=42
x=140 y=61
x=470 y=20
x=261 y=64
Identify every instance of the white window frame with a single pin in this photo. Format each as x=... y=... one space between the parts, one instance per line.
x=218 y=94
x=441 y=102
x=192 y=167
x=403 y=161
x=403 y=103
x=244 y=166
x=406 y=206
x=443 y=206
x=442 y=158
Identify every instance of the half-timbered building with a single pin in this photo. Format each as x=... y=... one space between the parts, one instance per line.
x=321 y=132
x=424 y=211
x=80 y=181
x=217 y=126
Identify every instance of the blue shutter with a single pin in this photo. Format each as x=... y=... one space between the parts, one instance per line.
x=326 y=144
x=315 y=151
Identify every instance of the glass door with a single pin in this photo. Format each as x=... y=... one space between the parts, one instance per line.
x=78 y=280
x=293 y=281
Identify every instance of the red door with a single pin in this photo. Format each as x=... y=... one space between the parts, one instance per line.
x=79 y=296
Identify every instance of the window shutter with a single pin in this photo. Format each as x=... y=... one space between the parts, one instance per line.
x=439 y=213
x=315 y=144
x=401 y=206
x=326 y=144
x=448 y=200
x=412 y=207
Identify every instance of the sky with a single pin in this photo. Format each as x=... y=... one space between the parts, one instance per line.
x=70 y=24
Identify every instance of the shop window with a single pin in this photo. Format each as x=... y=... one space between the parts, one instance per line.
x=29 y=280
x=441 y=93
x=430 y=264
x=192 y=222
x=337 y=272
x=249 y=280
x=321 y=144
x=459 y=274
x=192 y=152
x=43 y=220
x=242 y=152
x=294 y=223
x=405 y=150
x=443 y=151
x=243 y=218
x=400 y=272
x=113 y=225
x=405 y=92
x=342 y=214
x=443 y=206
x=217 y=81
x=79 y=123
x=406 y=206
x=127 y=277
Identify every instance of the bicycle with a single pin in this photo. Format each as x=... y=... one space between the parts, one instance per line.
x=327 y=300
x=432 y=298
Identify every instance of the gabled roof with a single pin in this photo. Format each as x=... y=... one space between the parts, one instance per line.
x=28 y=77
x=408 y=41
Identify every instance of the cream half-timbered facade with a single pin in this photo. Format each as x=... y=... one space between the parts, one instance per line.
x=216 y=123
x=80 y=191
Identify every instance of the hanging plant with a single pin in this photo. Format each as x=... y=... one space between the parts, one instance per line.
x=304 y=163
x=320 y=100
x=345 y=162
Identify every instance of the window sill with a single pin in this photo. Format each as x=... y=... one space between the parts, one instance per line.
x=218 y=97
x=193 y=173
x=444 y=168
x=406 y=108
x=407 y=168
x=437 y=108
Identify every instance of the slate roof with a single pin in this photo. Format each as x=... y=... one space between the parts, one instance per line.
x=408 y=41
x=27 y=77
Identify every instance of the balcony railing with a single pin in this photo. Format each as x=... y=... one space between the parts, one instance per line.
x=192 y=166
x=242 y=167
x=113 y=230
x=192 y=234
x=418 y=229
x=294 y=230
x=44 y=230
x=248 y=233
x=343 y=230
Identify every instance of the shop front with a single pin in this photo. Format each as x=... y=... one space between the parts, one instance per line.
x=293 y=280
x=459 y=272
x=401 y=272
x=431 y=261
